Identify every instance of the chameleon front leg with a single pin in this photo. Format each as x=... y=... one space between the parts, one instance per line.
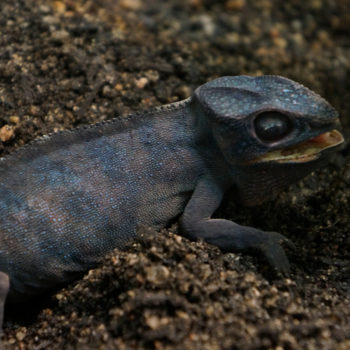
x=196 y=223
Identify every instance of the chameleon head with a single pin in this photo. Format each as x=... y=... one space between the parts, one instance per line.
x=270 y=130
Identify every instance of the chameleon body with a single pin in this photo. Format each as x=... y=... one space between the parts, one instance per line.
x=69 y=198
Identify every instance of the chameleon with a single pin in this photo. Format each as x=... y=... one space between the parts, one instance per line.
x=69 y=198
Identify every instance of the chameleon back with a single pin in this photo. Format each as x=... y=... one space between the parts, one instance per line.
x=68 y=199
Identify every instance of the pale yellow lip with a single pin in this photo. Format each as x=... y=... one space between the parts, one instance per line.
x=306 y=151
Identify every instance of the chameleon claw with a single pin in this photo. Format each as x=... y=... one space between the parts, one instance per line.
x=289 y=244
x=274 y=253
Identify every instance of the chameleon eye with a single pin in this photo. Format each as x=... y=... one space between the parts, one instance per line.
x=272 y=126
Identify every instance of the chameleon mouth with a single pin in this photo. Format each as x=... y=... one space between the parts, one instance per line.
x=305 y=151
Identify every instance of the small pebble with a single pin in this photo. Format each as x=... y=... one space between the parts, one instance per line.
x=7 y=132
x=157 y=274
x=235 y=4
x=131 y=4
x=21 y=333
x=142 y=82
x=59 y=7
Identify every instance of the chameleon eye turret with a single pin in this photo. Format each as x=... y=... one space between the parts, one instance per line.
x=272 y=126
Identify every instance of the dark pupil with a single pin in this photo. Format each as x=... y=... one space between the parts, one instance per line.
x=272 y=126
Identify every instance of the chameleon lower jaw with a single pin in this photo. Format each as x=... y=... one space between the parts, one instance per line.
x=306 y=151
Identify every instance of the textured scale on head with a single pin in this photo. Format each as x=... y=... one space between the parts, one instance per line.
x=271 y=130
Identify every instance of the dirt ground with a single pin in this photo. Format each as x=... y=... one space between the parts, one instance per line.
x=68 y=63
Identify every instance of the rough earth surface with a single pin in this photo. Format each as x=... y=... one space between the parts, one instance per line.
x=68 y=63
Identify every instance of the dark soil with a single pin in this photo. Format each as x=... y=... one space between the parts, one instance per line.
x=67 y=63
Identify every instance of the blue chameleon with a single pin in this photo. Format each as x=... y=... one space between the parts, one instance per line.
x=69 y=198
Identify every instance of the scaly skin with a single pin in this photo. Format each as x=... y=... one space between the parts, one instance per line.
x=69 y=198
